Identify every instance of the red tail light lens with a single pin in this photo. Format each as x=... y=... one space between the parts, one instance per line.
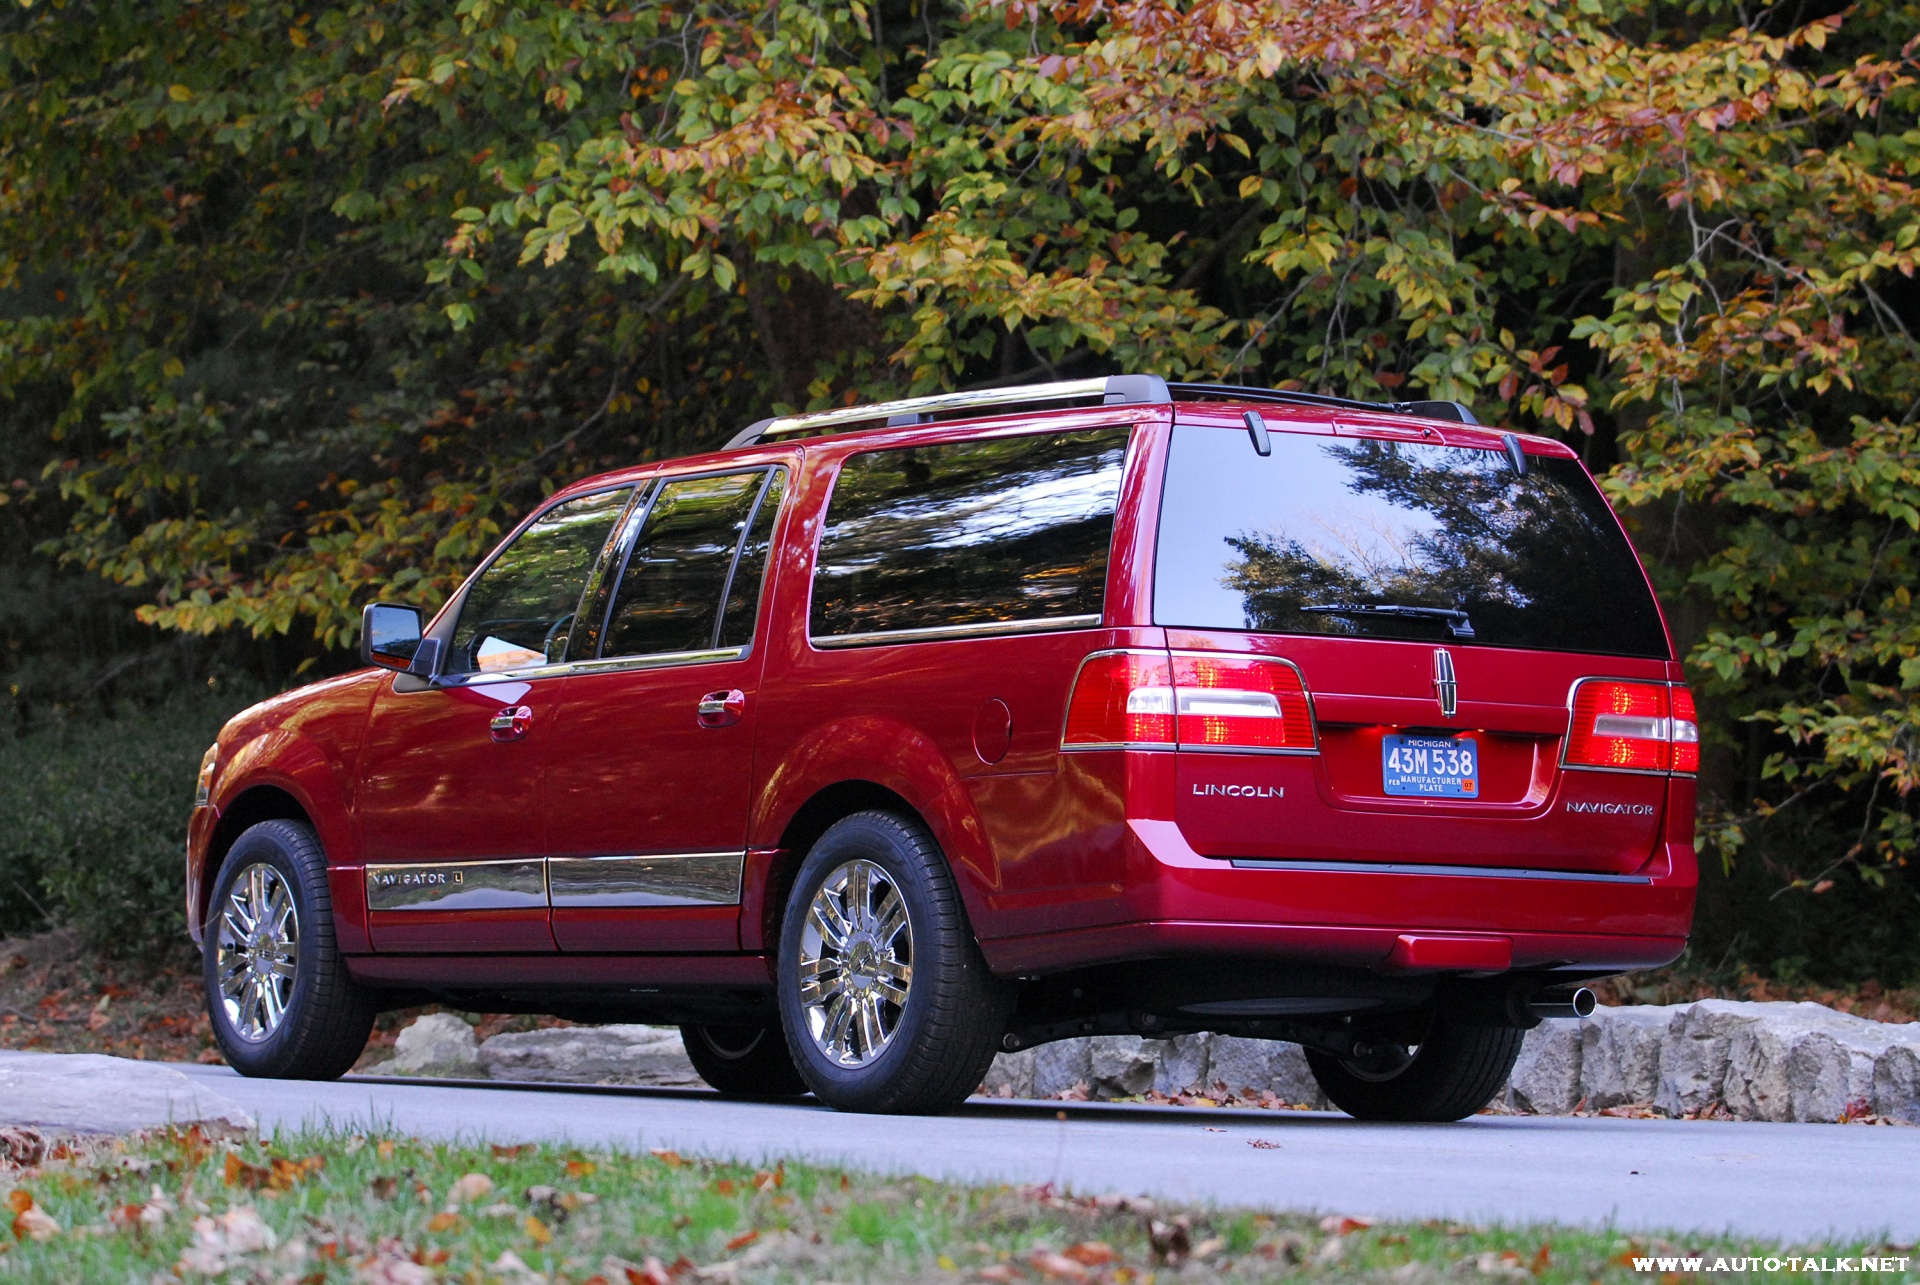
x=1686 y=732
x=1203 y=701
x=1240 y=702
x=1121 y=698
x=1637 y=727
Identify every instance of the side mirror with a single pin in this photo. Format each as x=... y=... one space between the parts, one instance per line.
x=390 y=636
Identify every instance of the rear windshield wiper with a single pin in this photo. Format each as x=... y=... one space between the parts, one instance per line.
x=1456 y=619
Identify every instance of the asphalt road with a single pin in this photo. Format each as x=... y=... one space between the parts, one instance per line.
x=1808 y=1184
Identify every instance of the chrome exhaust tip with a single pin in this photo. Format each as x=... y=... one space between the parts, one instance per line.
x=1576 y=1003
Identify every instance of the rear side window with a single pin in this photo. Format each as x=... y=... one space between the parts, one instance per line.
x=1403 y=540
x=969 y=537
x=682 y=562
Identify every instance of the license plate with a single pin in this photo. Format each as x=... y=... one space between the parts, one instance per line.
x=1431 y=767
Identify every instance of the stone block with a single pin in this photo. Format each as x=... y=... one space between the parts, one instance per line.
x=1620 y=1054
x=436 y=1044
x=1293 y=1080
x=1240 y=1066
x=88 y=1093
x=1010 y=1076
x=1060 y=1065
x=651 y=1055
x=1183 y=1063
x=1120 y=1066
x=1896 y=1077
x=1546 y=1079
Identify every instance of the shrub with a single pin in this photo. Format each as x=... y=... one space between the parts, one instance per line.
x=93 y=822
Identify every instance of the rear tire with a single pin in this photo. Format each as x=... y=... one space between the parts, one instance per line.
x=1455 y=1070
x=743 y=1061
x=278 y=993
x=886 y=1001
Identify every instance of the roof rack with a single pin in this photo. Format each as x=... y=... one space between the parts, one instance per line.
x=1112 y=390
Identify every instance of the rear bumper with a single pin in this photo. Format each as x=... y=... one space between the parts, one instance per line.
x=1177 y=903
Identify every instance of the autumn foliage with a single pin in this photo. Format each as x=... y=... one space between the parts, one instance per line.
x=306 y=303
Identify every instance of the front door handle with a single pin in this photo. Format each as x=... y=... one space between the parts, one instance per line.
x=511 y=723
x=722 y=709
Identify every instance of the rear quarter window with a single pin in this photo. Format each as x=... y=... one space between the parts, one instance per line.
x=1330 y=535
x=969 y=536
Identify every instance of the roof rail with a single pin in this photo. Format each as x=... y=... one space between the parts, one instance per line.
x=1111 y=390
x=1454 y=411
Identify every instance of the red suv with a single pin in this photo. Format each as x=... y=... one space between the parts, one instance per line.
x=892 y=737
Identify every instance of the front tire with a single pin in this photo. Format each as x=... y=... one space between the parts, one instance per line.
x=1452 y=1072
x=887 y=1004
x=743 y=1061
x=282 y=1004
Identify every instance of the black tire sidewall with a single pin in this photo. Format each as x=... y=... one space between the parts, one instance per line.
x=308 y=1042
x=1456 y=1071
x=897 y=1080
x=764 y=1069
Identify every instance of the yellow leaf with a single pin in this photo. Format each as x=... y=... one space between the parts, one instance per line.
x=179 y=93
x=538 y=1231
x=1249 y=185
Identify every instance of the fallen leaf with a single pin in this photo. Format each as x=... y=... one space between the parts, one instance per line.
x=19 y=1200
x=1342 y=1224
x=445 y=1220
x=384 y=1186
x=248 y=1176
x=651 y=1272
x=669 y=1158
x=34 y=1224
x=580 y=1168
x=537 y=1230
x=744 y=1239
x=1090 y=1253
x=1058 y=1266
x=1209 y=1247
x=468 y=1188
x=508 y=1153
x=1262 y=1144
x=724 y=1186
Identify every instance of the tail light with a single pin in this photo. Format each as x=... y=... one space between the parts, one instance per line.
x=1240 y=702
x=1198 y=700
x=1633 y=727
x=1121 y=698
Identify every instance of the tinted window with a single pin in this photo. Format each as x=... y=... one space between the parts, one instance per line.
x=743 y=595
x=669 y=595
x=1282 y=544
x=1006 y=529
x=520 y=610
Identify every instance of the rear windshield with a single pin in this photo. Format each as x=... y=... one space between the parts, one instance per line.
x=1377 y=539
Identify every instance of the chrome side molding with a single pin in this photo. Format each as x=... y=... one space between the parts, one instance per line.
x=540 y=883
x=612 y=883
x=459 y=885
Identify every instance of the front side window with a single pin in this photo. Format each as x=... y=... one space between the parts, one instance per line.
x=1378 y=539
x=969 y=535
x=684 y=558
x=521 y=609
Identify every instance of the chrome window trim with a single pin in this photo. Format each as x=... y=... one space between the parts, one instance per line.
x=507 y=883
x=641 y=882
x=657 y=660
x=983 y=629
x=1446 y=871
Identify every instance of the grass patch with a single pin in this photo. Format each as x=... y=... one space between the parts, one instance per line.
x=317 y=1208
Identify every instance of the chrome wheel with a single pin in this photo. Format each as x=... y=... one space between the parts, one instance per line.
x=258 y=945
x=856 y=963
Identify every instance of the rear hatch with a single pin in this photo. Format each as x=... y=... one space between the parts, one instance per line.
x=1440 y=606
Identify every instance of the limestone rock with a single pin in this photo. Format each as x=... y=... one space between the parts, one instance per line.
x=436 y=1044
x=1059 y=1066
x=1238 y=1066
x=651 y=1055
x=87 y=1093
x=1293 y=1080
x=1546 y=1079
x=1620 y=1054
x=1120 y=1066
x=1896 y=1078
x=1183 y=1063
x=1011 y=1075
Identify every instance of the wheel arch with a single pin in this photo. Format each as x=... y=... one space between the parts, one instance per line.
x=803 y=829
x=249 y=808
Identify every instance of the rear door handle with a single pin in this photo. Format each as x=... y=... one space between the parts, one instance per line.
x=722 y=709
x=511 y=723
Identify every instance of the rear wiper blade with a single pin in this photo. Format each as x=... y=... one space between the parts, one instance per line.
x=1456 y=619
